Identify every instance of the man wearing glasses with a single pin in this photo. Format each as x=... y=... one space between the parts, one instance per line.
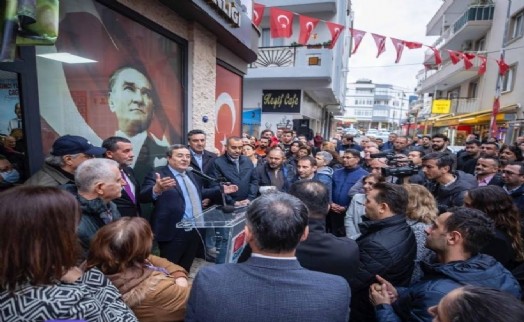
x=513 y=178
x=68 y=152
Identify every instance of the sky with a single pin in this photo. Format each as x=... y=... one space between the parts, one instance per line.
x=402 y=19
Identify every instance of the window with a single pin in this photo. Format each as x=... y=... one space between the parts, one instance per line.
x=517 y=23
x=472 y=89
x=266 y=38
x=480 y=45
x=507 y=80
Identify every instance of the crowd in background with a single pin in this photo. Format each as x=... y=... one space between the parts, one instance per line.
x=336 y=230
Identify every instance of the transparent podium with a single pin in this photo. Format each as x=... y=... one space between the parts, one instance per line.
x=229 y=230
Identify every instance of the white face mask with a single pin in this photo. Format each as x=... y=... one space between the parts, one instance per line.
x=11 y=176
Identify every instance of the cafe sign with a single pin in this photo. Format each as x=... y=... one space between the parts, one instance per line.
x=281 y=101
x=228 y=9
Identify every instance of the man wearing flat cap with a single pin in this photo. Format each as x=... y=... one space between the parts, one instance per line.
x=68 y=152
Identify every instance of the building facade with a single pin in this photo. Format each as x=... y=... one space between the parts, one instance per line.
x=481 y=28
x=376 y=106
x=311 y=79
x=183 y=62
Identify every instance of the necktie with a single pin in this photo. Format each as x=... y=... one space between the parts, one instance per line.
x=193 y=195
x=127 y=187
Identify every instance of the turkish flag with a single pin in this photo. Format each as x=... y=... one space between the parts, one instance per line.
x=467 y=57
x=494 y=112
x=258 y=13
x=412 y=44
x=436 y=53
x=307 y=24
x=335 y=29
x=357 y=35
x=281 y=23
x=399 y=47
x=482 y=67
x=380 y=41
x=503 y=67
x=455 y=56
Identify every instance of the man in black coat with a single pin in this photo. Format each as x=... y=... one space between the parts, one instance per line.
x=387 y=246
x=120 y=149
x=321 y=251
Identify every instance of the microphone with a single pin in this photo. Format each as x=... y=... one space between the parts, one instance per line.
x=202 y=175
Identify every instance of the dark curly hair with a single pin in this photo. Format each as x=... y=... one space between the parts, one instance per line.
x=499 y=206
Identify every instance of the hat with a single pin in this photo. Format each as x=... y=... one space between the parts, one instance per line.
x=72 y=144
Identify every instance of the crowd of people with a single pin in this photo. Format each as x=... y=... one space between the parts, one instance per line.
x=336 y=230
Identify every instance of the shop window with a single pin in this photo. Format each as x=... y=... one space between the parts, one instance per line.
x=12 y=141
x=125 y=79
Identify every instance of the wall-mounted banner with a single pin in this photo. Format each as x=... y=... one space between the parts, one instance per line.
x=281 y=101
x=441 y=107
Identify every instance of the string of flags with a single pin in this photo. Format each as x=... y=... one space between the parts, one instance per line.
x=281 y=26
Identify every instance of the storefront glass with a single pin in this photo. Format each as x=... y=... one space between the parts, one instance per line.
x=123 y=79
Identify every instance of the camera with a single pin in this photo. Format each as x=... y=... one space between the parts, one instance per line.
x=397 y=165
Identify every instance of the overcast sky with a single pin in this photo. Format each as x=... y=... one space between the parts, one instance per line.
x=402 y=19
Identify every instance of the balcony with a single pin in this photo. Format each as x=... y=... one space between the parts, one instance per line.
x=448 y=75
x=447 y=12
x=464 y=105
x=471 y=24
x=292 y=63
x=303 y=6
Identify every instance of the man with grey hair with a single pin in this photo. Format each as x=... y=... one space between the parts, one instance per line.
x=68 y=152
x=98 y=181
x=275 y=224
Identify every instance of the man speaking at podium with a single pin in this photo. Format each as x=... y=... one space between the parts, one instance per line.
x=271 y=285
x=176 y=196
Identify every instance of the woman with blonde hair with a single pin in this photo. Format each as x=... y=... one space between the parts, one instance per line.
x=153 y=287
x=420 y=212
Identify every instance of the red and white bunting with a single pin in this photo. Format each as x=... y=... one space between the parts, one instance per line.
x=503 y=67
x=357 y=36
x=455 y=56
x=436 y=53
x=335 y=29
x=281 y=23
x=399 y=47
x=482 y=67
x=307 y=24
x=380 y=41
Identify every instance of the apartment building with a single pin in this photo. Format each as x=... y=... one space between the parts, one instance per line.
x=310 y=80
x=480 y=27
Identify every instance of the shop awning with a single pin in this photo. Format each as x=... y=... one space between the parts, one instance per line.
x=469 y=118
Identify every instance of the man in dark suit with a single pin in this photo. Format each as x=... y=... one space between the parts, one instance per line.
x=176 y=196
x=282 y=289
x=486 y=172
x=121 y=150
x=321 y=251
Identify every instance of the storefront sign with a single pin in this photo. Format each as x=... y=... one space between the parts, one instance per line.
x=441 y=107
x=228 y=9
x=281 y=101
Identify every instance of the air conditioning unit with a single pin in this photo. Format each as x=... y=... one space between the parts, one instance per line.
x=467 y=45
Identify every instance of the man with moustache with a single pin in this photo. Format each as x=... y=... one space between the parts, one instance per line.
x=486 y=172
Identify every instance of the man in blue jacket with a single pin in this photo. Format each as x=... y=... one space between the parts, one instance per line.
x=343 y=180
x=456 y=237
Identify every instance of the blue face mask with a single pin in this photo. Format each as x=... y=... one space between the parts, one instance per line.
x=11 y=176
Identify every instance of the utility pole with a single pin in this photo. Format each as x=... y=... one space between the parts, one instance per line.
x=496 y=101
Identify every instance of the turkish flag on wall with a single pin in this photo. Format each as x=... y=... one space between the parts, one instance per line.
x=307 y=24
x=380 y=41
x=258 y=13
x=281 y=23
x=335 y=29
x=357 y=35
x=399 y=47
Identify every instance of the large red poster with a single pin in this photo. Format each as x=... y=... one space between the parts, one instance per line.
x=228 y=106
